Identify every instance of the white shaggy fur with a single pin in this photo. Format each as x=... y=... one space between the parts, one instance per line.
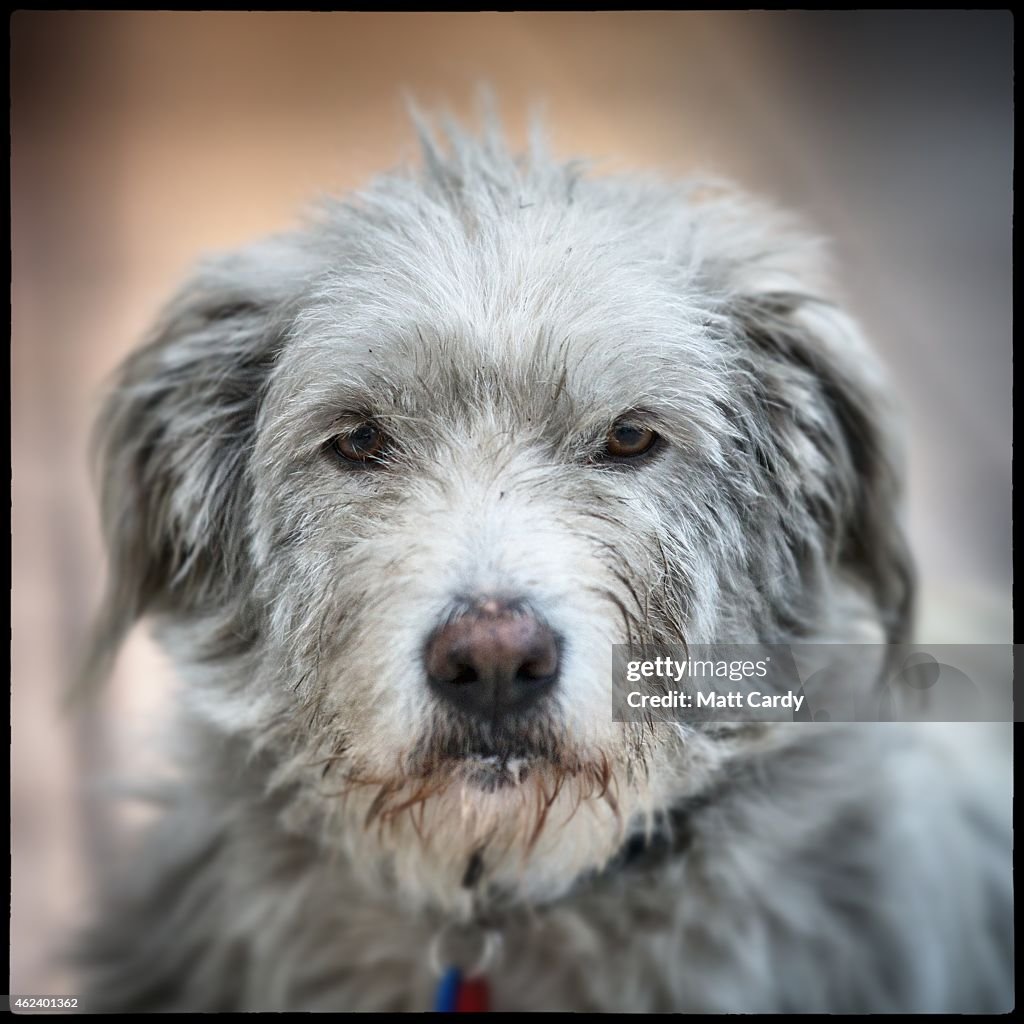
x=495 y=316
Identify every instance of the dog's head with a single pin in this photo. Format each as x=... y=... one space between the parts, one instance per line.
x=393 y=484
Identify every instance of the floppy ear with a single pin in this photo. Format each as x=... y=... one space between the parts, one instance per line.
x=173 y=441
x=826 y=394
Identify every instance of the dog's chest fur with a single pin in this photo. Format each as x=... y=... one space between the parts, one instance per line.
x=788 y=886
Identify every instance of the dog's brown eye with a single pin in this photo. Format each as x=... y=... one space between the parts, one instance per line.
x=362 y=444
x=627 y=439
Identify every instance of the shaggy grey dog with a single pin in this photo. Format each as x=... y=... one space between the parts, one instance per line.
x=390 y=486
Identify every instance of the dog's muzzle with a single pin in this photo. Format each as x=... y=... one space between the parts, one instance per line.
x=494 y=660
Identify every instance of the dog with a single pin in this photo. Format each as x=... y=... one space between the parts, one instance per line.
x=390 y=485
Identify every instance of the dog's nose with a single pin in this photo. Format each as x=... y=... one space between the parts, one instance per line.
x=495 y=659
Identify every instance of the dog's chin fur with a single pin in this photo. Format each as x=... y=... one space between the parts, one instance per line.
x=495 y=316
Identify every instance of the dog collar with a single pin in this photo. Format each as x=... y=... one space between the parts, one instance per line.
x=643 y=851
x=461 y=954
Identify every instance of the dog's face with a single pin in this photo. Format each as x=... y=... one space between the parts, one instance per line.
x=395 y=484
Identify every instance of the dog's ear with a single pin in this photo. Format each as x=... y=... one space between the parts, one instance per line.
x=826 y=399
x=173 y=440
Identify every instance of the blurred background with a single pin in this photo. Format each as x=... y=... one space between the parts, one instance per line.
x=142 y=140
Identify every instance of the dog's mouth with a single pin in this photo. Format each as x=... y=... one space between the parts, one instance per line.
x=495 y=771
x=489 y=758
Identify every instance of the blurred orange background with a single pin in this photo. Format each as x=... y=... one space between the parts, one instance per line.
x=142 y=140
